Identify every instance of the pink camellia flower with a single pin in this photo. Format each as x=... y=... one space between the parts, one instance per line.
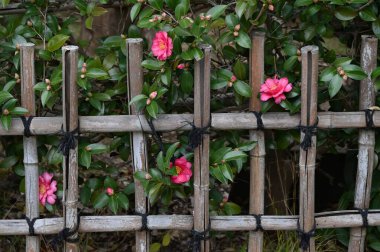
x=275 y=88
x=162 y=46
x=47 y=188
x=181 y=66
x=109 y=191
x=184 y=172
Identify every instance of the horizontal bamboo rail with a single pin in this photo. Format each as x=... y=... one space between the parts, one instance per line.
x=119 y=223
x=166 y=122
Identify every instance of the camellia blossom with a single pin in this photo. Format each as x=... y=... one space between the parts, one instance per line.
x=275 y=88
x=183 y=168
x=162 y=46
x=47 y=188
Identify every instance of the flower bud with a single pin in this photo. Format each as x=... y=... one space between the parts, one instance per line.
x=163 y=15
x=148 y=176
x=148 y=101
x=82 y=76
x=181 y=66
x=88 y=148
x=153 y=95
x=123 y=36
x=29 y=23
x=237 y=27
x=47 y=81
x=17 y=76
x=84 y=64
x=89 y=94
x=345 y=77
x=18 y=81
x=230 y=84
x=271 y=7
x=18 y=47
x=87 y=99
x=298 y=52
x=299 y=58
x=233 y=78
x=208 y=17
x=140 y=1
x=315 y=1
x=5 y=112
x=48 y=87
x=202 y=17
x=109 y=191
x=341 y=72
x=84 y=70
x=236 y=33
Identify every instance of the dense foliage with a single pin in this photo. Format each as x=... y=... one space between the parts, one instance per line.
x=335 y=26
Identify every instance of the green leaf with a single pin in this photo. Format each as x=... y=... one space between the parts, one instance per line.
x=216 y=11
x=290 y=62
x=97 y=73
x=18 y=111
x=98 y=11
x=109 y=61
x=166 y=77
x=231 y=208
x=135 y=11
x=8 y=162
x=101 y=96
x=54 y=157
x=85 y=158
x=299 y=3
x=354 y=72
x=96 y=148
x=154 y=193
x=240 y=8
x=231 y=21
x=101 y=200
x=376 y=27
x=217 y=173
x=375 y=245
x=156 y=3
x=123 y=200
x=227 y=172
x=113 y=204
x=328 y=73
x=4 y=97
x=240 y=70
x=233 y=155
x=170 y=152
x=242 y=88
x=152 y=109
x=166 y=239
x=367 y=14
x=187 y=81
x=180 y=10
x=130 y=189
x=179 y=31
x=138 y=98
x=342 y=61
x=85 y=195
x=345 y=13
x=155 y=247
x=152 y=64
x=45 y=96
x=243 y=40
x=335 y=85
x=57 y=42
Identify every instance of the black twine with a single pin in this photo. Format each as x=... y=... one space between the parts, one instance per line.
x=305 y=236
x=309 y=131
x=30 y=223
x=68 y=141
x=369 y=118
x=156 y=135
x=260 y=124
x=196 y=134
x=64 y=234
x=364 y=214
x=198 y=237
x=26 y=122
x=258 y=222
x=144 y=221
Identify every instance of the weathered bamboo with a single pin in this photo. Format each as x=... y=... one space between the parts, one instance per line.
x=366 y=142
x=135 y=82
x=309 y=105
x=257 y=161
x=70 y=124
x=166 y=122
x=30 y=143
x=202 y=119
x=125 y=223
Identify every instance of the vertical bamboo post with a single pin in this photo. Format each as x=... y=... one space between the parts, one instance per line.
x=30 y=143
x=366 y=142
x=202 y=118
x=309 y=106
x=70 y=123
x=257 y=160
x=135 y=80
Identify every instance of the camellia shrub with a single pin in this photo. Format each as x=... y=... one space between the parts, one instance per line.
x=173 y=31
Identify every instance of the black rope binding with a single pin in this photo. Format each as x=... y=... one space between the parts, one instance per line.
x=260 y=124
x=156 y=135
x=67 y=141
x=305 y=236
x=309 y=132
x=26 y=122
x=198 y=237
x=258 y=222
x=364 y=214
x=64 y=234
x=30 y=223
x=369 y=118
x=144 y=221
x=195 y=135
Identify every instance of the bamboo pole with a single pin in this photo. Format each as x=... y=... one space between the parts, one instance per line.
x=366 y=142
x=201 y=153
x=309 y=105
x=125 y=223
x=177 y=122
x=70 y=123
x=257 y=160
x=135 y=82
x=30 y=143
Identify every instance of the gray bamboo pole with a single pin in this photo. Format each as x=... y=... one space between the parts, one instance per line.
x=135 y=80
x=70 y=123
x=30 y=143
x=309 y=105
x=173 y=122
x=366 y=142
x=257 y=160
x=202 y=119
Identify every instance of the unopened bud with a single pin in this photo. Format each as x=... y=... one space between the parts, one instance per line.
x=233 y=78
x=148 y=101
x=345 y=77
x=140 y=1
x=5 y=112
x=299 y=58
x=181 y=66
x=59 y=28
x=84 y=64
x=82 y=76
x=271 y=7
x=29 y=23
x=17 y=76
x=148 y=176
x=237 y=27
x=236 y=33
x=47 y=81
x=123 y=36
x=153 y=95
x=231 y=43
x=341 y=72
x=48 y=87
x=208 y=17
x=163 y=14
x=229 y=84
x=18 y=47
x=84 y=70
x=87 y=148
x=18 y=81
x=87 y=99
x=109 y=191
x=298 y=52
x=151 y=20
x=221 y=204
x=89 y=94
x=315 y=1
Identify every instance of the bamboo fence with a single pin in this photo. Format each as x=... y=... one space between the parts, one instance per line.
x=200 y=222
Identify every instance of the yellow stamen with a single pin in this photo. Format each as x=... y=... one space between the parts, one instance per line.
x=178 y=169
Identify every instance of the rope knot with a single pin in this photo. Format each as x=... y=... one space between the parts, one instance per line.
x=259 y=120
x=305 y=236
x=27 y=122
x=196 y=134
x=144 y=221
x=198 y=237
x=68 y=141
x=369 y=118
x=309 y=131
x=258 y=222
